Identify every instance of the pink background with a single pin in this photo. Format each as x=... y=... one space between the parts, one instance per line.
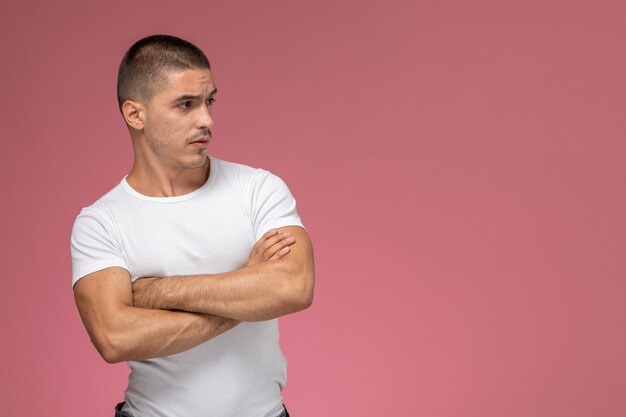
x=458 y=165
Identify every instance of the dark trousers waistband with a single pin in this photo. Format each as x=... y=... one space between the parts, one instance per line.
x=118 y=411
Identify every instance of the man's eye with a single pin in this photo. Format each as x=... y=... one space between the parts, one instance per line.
x=185 y=104
x=210 y=101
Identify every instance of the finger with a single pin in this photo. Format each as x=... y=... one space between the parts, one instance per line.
x=267 y=235
x=272 y=250
x=284 y=251
x=286 y=240
x=270 y=238
x=257 y=248
x=269 y=243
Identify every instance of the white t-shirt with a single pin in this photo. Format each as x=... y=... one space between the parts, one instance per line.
x=241 y=372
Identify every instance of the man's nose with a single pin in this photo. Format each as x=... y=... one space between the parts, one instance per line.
x=205 y=119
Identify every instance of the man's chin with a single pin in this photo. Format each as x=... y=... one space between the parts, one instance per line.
x=198 y=162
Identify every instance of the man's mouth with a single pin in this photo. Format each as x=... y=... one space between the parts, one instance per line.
x=201 y=140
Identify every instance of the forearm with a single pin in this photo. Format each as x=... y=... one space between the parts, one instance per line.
x=143 y=333
x=253 y=293
x=268 y=288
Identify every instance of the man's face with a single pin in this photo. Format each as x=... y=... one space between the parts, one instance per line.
x=178 y=118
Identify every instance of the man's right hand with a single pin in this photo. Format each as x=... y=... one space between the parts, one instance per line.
x=272 y=245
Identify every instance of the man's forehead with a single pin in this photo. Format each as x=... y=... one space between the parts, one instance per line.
x=189 y=81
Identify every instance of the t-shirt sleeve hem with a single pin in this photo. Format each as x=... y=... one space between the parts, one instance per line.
x=95 y=267
x=288 y=221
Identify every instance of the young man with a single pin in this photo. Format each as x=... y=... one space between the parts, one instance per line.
x=183 y=268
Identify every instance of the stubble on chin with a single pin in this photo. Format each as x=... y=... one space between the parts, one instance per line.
x=201 y=161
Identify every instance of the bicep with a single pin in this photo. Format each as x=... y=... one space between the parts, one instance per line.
x=301 y=252
x=299 y=263
x=100 y=297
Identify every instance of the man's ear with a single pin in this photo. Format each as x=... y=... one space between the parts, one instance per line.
x=134 y=114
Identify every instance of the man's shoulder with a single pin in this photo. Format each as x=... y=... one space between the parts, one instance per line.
x=241 y=173
x=104 y=205
x=236 y=168
x=242 y=169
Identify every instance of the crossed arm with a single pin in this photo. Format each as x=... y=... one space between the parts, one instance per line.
x=171 y=315
x=258 y=291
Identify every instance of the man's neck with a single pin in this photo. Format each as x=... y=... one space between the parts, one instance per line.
x=153 y=181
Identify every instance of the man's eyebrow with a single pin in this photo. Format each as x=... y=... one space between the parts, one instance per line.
x=193 y=96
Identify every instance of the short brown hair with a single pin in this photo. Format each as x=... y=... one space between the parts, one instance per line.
x=148 y=61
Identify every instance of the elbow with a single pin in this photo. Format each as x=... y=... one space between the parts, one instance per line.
x=108 y=349
x=306 y=293
x=300 y=292
x=112 y=356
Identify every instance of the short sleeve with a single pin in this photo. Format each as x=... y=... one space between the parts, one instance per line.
x=93 y=245
x=272 y=204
